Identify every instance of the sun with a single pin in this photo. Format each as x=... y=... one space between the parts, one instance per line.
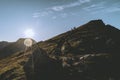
x=29 y=33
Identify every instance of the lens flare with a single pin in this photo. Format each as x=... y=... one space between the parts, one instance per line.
x=28 y=42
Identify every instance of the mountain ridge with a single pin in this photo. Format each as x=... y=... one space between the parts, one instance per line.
x=82 y=30
x=13 y=47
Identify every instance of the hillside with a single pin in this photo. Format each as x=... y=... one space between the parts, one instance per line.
x=91 y=50
x=12 y=47
x=3 y=44
x=88 y=52
x=92 y=37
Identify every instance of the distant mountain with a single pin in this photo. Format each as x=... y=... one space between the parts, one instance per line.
x=88 y=52
x=3 y=44
x=11 y=48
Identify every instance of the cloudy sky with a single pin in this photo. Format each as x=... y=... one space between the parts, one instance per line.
x=47 y=18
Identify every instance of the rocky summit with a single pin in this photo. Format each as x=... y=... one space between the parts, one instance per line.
x=87 y=52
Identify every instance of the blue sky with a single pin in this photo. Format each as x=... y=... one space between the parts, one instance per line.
x=48 y=18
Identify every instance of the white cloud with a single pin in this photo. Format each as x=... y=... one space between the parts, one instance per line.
x=106 y=10
x=102 y=8
x=53 y=9
x=42 y=13
x=45 y=13
x=57 y=8
x=84 y=1
x=94 y=7
x=70 y=5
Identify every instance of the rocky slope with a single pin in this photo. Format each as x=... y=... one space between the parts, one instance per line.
x=89 y=52
x=92 y=37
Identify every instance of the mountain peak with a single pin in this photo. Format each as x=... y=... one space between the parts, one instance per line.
x=98 y=22
x=93 y=24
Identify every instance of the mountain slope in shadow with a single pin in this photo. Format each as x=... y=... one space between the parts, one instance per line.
x=9 y=48
x=3 y=44
x=88 y=52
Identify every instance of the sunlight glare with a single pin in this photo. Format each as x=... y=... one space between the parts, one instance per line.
x=29 y=33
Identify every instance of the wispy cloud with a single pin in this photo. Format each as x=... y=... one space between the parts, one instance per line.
x=84 y=1
x=102 y=8
x=108 y=10
x=70 y=5
x=41 y=13
x=94 y=7
x=58 y=8
x=62 y=15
